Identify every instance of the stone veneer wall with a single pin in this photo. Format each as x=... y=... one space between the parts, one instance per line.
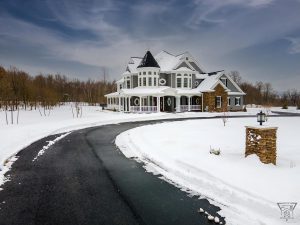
x=209 y=99
x=262 y=142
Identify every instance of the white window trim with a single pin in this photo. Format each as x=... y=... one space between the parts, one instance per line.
x=228 y=101
x=219 y=106
x=239 y=101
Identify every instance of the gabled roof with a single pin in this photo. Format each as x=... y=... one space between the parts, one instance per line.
x=210 y=82
x=168 y=61
x=133 y=64
x=148 y=61
x=184 y=69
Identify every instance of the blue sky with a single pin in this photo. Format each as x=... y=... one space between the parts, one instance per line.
x=259 y=38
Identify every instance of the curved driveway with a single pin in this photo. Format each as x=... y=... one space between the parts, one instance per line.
x=85 y=179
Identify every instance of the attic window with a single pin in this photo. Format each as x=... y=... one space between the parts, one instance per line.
x=186 y=58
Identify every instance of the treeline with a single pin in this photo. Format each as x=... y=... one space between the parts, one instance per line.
x=261 y=93
x=19 y=89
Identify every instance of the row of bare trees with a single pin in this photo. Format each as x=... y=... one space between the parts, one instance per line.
x=18 y=90
x=263 y=93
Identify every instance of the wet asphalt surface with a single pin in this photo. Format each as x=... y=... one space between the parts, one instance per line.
x=85 y=179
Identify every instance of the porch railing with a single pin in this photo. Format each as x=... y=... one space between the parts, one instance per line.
x=184 y=108
x=143 y=109
x=195 y=107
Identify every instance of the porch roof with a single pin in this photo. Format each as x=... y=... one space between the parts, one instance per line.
x=113 y=94
x=189 y=92
x=141 y=91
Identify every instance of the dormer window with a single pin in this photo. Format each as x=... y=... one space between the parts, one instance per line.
x=140 y=73
x=154 y=73
x=144 y=73
x=186 y=58
x=150 y=81
x=149 y=73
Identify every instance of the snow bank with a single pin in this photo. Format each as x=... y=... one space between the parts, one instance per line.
x=247 y=190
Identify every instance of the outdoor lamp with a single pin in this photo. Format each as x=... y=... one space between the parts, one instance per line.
x=261 y=117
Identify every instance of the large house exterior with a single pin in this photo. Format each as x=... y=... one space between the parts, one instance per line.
x=173 y=83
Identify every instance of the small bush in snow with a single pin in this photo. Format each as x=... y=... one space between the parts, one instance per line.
x=215 y=151
x=285 y=106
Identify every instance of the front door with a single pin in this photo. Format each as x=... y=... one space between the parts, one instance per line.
x=169 y=104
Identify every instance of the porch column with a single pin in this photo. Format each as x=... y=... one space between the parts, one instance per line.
x=177 y=103
x=189 y=103
x=129 y=107
x=202 y=101
x=158 y=103
x=140 y=104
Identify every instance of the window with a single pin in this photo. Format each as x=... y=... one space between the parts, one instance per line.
x=149 y=72
x=185 y=82
x=140 y=81
x=154 y=73
x=179 y=82
x=140 y=73
x=128 y=84
x=154 y=81
x=237 y=101
x=224 y=81
x=218 y=102
x=190 y=83
x=144 y=73
x=228 y=101
x=150 y=81
x=144 y=81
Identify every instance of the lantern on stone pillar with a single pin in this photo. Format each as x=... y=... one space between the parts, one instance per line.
x=261 y=118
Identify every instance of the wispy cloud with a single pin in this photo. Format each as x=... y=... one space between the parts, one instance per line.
x=294 y=45
x=106 y=33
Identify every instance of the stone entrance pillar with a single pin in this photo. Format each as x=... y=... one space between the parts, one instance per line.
x=262 y=142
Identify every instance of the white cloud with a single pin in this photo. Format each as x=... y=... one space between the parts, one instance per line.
x=294 y=45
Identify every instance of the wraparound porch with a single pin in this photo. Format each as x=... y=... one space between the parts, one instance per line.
x=151 y=104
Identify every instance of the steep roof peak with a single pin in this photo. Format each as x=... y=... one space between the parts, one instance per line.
x=148 y=61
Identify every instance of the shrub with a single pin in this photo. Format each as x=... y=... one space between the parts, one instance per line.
x=298 y=107
x=245 y=109
x=285 y=106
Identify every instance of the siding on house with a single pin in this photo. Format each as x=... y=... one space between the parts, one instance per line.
x=234 y=107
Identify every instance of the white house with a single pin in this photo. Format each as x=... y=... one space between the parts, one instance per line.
x=173 y=83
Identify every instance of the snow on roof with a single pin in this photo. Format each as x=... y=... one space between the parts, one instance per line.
x=184 y=69
x=166 y=60
x=194 y=91
x=209 y=83
x=145 y=91
x=133 y=64
x=236 y=93
x=126 y=73
x=201 y=76
x=120 y=81
x=114 y=94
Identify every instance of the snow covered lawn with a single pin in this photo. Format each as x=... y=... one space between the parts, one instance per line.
x=32 y=126
x=249 y=189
